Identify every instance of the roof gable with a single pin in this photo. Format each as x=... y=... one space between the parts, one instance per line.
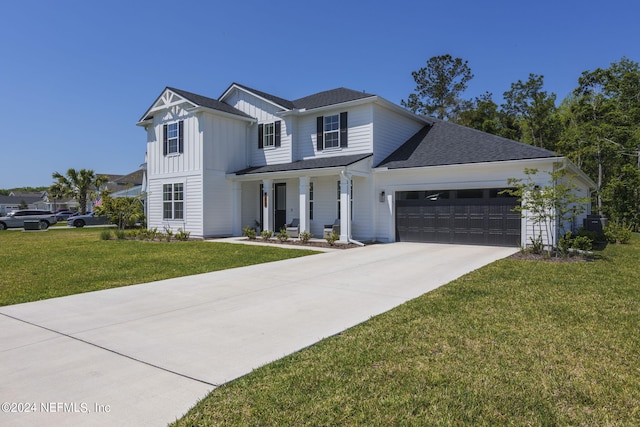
x=442 y=143
x=316 y=100
x=172 y=96
x=279 y=102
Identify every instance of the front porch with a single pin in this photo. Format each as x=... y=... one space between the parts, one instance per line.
x=317 y=198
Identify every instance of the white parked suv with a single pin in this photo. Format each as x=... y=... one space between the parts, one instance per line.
x=16 y=219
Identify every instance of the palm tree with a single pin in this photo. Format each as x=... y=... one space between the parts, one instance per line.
x=79 y=184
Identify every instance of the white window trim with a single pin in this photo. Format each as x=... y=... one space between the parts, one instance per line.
x=265 y=135
x=173 y=201
x=326 y=132
x=175 y=138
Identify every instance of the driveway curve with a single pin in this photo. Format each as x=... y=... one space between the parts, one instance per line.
x=144 y=354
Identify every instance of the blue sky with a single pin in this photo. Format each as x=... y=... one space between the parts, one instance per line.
x=75 y=76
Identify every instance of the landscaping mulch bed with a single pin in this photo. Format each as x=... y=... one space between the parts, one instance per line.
x=310 y=244
x=529 y=256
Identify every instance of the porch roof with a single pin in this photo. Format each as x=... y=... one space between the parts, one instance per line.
x=315 y=163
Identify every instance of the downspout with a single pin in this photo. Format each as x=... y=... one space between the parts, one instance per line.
x=349 y=239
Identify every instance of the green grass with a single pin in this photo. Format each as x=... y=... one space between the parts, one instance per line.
x=40 y=265
x=515 y=343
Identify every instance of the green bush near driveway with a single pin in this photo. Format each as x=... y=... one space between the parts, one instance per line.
x=38 y=266
x=518 y=342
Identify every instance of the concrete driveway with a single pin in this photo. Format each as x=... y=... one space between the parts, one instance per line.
x=144 y=354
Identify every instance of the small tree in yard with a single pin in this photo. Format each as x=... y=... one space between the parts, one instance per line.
x=123 y=211
x=546 y=206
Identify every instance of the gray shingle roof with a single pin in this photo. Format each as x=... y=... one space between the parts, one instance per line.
x=330 y=97
x=275 y=99
x=203 y=101
x=317 y=163
x=317 y=100
x=16 y=200
x=443 y=143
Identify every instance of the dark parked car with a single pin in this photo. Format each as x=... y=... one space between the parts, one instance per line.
x=16 y=219
x=88 y=219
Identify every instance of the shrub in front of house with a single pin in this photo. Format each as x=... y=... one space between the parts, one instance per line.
x=249 y=233
x=332 y=238
x=283 y=236
x=266 y=234
x=305 y=236
x=616 y=232
x=182 y=235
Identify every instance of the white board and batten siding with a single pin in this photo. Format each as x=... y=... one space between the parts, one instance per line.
x=189 y=160
x=263 y=112
x=223 y=143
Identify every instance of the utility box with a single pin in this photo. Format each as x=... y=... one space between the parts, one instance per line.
x=595 y=223
x=32 y=224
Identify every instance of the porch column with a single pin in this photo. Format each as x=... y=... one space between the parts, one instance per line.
x=345 y=207
x=304 y=204
x=267 y=204
x=236 y=208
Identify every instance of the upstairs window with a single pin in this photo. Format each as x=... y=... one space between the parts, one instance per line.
x=331 y=132
x=172 y=138
x=269 y=134
x=268 y=137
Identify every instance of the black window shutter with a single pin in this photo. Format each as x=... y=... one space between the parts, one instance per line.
x=260 y=136
x=277 y=133
x=343 y=130
x=164 y=140
x=319 y=133
x=180 y=136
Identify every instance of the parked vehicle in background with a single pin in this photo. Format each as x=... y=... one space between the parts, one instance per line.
x=63 y=215
x=88 y=219
x=16 y=219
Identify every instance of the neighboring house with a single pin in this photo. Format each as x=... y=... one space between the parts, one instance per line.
x=129 y=185
x=16 y=199
x=383 y=173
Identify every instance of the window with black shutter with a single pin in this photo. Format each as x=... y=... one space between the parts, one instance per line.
x=173 y=138
x=332 y=131
x=269 y=134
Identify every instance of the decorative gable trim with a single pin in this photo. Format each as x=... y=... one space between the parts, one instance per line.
x=171 y=97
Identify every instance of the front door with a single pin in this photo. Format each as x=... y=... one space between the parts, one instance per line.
x=280 y=207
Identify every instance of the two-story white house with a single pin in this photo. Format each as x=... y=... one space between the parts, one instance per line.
x=381 y=172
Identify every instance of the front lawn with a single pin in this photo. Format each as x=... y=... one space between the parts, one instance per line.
x=515 y=343
x=54 y=263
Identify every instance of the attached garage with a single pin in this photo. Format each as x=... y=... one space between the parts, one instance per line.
x=465 y=216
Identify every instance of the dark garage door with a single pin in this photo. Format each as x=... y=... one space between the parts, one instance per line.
x=473 y=217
